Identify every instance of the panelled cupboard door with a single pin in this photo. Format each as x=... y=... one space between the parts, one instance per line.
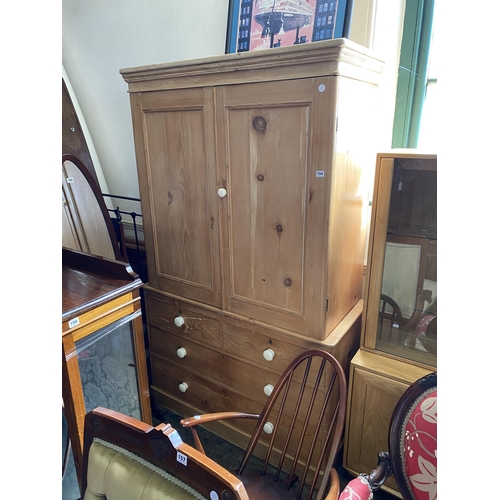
x=373 y=400
x=276 y=151
x=175 y=149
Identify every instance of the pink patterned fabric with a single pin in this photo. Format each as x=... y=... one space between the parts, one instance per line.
x=422 y=325
x=420 y=447
x=357 y=489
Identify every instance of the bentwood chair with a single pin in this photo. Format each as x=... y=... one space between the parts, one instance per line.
x=126 y=459
x=412 y=452
x=390 y=319
x=298 y=430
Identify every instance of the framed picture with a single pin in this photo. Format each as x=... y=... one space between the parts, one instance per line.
x=264 y=24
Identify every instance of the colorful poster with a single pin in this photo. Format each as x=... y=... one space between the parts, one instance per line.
x=264 y=24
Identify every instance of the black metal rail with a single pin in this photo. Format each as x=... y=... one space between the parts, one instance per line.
x=118 y=214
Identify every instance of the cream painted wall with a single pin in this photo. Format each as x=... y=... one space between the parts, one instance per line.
x=99 y=38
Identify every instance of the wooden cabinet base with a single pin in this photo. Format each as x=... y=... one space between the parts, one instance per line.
x=215 y=362
x=375 y=385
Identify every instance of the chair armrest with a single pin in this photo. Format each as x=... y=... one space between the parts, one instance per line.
x=364 y=485
x=382 y=471
x=358 y=488
x=212 y=417
x=417 y=314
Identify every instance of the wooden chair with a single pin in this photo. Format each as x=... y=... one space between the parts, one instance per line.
x=403 y=281
x=412 y=447
x=304 y=431
x=126 y=459
x=389 y=319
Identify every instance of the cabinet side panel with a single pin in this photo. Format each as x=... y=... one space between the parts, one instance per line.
x=354 y=163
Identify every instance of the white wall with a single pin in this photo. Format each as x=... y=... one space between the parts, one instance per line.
x=101 y=37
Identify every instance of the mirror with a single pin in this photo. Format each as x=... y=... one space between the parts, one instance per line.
x=86 y=223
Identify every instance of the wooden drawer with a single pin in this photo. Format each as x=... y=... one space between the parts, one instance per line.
x=208 y=397
x=244 y=378
x=200 y=326
x=204 y=394
x=250 y=346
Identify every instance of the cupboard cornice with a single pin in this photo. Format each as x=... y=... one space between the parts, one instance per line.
x=339 y=57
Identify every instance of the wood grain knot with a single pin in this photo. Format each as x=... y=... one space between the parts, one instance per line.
x=278 y=228
x=260 y=177
x=287 y=282
x=259 y=124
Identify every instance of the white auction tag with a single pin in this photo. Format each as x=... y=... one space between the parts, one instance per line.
x=73 y=322
x=181 y=458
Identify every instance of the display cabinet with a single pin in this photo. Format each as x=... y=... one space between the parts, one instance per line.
x=103 y=355
x=399 y=323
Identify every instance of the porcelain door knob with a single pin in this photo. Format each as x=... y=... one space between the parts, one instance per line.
x=268 y=354
x=268 y=389
x=179 y=321
x=268 y=428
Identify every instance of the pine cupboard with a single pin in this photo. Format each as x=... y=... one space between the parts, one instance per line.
x=250 y=171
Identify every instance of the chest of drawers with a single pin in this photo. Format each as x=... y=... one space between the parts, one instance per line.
x=217 y=362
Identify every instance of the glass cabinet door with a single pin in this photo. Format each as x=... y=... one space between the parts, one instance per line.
x=402 y=295
x=107 y=367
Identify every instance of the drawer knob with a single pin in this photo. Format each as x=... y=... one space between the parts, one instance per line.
x=268 y=389
x=268 y=428
x=179 y=321
x=181 y=352
x=183 y=387
x=268 y=354
x=221 y=192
